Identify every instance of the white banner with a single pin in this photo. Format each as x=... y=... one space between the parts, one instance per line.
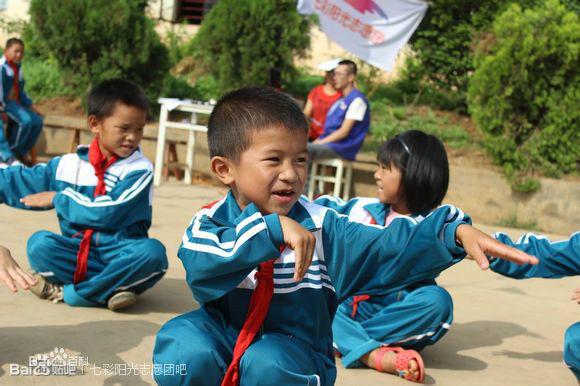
x=373 y=30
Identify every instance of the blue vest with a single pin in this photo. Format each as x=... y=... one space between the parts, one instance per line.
x=349 y=146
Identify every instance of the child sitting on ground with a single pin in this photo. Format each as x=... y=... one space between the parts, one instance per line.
x=556 y=259
x=102 y=195
x=270 y=268
x=16 y=106
x=385 y=331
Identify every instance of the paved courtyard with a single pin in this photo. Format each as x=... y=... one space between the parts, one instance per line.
x=505 y=332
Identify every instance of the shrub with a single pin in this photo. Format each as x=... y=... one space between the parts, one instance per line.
x=94 y=40
x=240 y=40
x=443 y=58
x=525 y=91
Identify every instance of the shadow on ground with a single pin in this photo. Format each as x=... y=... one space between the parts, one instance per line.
x=169 y=296
x=486 y=333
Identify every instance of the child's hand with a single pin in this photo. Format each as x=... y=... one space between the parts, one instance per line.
x=478 y=244
x=39 y=200
x=576 y=295
x=302 y=242
x=11 y=273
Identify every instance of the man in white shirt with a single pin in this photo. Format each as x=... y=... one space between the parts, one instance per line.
x=348 y=120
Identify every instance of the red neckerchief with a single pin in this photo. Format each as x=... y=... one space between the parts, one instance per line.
x=259 y=305
x=16 y=85
x=100 y=164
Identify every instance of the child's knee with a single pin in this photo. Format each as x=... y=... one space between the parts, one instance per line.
x=155 y=254
x=26 y=120
x=282 y=358
x=37 y=247
x=183 y=344
x=436 y=300
x=571 y=343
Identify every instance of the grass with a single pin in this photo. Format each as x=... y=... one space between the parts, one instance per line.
x=513 y=222
x=388 y=120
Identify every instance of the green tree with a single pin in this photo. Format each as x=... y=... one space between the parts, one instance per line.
x=240 y=40
x=93 y=40
x=443 y=45
x=525 y=91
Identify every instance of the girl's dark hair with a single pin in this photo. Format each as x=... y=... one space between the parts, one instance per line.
x=424 y=167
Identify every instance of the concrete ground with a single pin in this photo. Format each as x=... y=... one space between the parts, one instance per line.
x=505 y=332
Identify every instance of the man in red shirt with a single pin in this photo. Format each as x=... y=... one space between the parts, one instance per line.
x=320 y=99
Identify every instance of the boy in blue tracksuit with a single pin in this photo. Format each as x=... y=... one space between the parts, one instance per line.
x=17 y=105
x=102 y=195
x=269 y=268
x=556 y=259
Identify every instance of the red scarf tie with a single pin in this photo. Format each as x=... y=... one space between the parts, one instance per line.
x=16 y=85
x=259 y=305
x=101 y=164
x=360 y=298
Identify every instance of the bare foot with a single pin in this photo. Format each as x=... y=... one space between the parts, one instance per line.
x=388 y=363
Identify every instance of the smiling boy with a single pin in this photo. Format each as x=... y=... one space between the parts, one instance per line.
x=270 y=268
x=102 y=195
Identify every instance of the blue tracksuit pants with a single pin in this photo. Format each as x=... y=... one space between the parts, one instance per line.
x=115 y=265
x=29 y=126
x=200 y=344
x=572 y=349
x=5 y=151
x=412 y=318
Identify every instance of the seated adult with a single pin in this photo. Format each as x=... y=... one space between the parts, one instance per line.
x=320 y=99
x=347 y=121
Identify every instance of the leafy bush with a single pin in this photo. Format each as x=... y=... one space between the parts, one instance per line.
x=443 y=58
x=94 y=40
x=388 y=121
x=44 y=80
x=240 y=40
x=525 y=91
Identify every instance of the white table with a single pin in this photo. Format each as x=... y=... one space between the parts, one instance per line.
x=170 y=104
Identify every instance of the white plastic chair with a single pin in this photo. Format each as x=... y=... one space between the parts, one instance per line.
x=342 y=178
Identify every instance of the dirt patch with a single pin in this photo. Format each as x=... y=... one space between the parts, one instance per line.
x=62 y=106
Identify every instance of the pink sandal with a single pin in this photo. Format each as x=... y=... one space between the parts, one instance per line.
x=402 y=358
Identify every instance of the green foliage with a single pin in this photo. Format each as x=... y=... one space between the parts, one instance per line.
x=388 y=121
x=525 y=92
x=94 y=40
x=44 y=80
x=442 y=44
x=301 y=85
x=240 y=40
x=513 y=222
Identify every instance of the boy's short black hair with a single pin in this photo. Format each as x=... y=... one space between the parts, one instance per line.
x=12 y=41
x=424 y=167
x=350 y=65
x=103 y=97
x=248 y=109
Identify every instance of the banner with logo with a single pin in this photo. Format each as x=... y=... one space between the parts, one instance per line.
x=373 y=30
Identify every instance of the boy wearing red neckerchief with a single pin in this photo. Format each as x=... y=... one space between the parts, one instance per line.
x=16 y=105
x=102 y=195
x=269 y=268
